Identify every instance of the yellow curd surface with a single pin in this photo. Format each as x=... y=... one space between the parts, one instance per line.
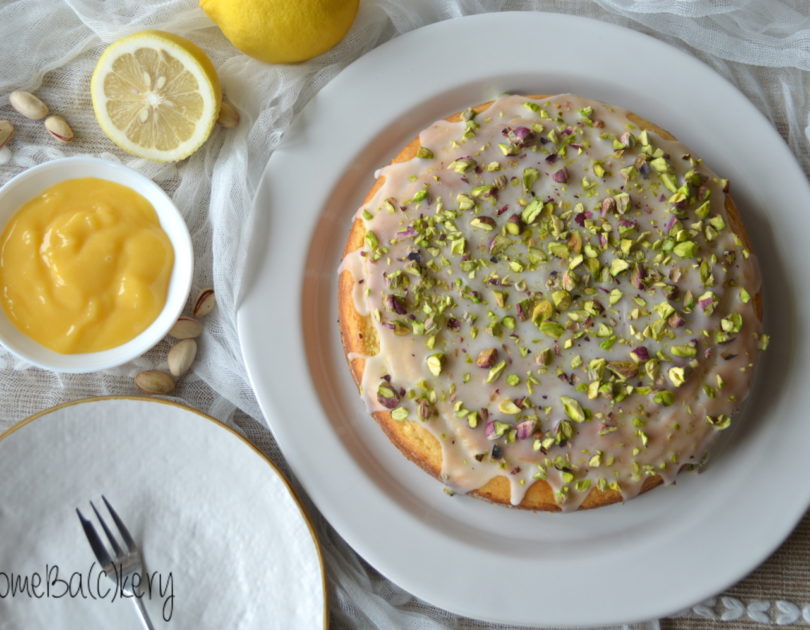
x=84 y=266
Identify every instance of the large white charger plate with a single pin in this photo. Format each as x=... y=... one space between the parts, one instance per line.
x=650 y=557
x=224 y=539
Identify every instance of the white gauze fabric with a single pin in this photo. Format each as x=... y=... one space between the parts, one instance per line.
x=51 y=48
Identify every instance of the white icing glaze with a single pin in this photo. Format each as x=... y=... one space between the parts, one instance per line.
x=614 y=443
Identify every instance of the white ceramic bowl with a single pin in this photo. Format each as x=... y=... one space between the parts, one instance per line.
x=28 y=185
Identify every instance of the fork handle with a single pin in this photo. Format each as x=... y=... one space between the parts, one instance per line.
x=147 y=623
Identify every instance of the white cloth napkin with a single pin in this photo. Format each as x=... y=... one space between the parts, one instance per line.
x=51 y=48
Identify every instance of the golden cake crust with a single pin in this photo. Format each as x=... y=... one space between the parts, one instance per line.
x=411 y=437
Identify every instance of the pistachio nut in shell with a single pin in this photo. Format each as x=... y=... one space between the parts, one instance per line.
x=186 y=328
x=181 y=356
x=28 y=105
x=204 y=304
x=6 y=131
x=155 y=382
x=228 y=116
x=59 y=128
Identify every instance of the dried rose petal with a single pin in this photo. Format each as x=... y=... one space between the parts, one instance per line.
x=489 y=430
x=525 y=429
x=396 y=304
x=676 y=321
x=641 y=353
x=561 y=176
x=705 y=303
x=523 y=136
x=644 y=169
x=389 y=402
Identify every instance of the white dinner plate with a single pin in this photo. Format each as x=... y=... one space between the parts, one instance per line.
x=652 y=556
x=225 y=542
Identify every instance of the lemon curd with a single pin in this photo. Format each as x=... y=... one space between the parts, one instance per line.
x=84 y=266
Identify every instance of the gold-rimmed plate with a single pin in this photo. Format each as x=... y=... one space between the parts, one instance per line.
x=226 y=543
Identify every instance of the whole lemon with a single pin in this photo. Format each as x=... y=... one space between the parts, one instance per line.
x=282 y=31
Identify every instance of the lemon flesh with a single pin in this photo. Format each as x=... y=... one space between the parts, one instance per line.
x=282 y=31
x=156 y=95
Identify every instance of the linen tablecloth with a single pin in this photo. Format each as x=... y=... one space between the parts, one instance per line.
x=50 y=48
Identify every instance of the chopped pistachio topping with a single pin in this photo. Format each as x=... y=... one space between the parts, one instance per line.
x=677 y=375
x=719 y=422
x=573 y=409
x=400 y=413
x=618 y=265
x=435 y=363
x=686 y=249
x=420 y=195
x=552 y=329
x=424 y=153
x=531 y=212
x=508 y=407
x=530 y=176
x=495 y=372
x=542 y=255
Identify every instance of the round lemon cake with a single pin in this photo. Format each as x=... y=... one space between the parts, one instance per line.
x=550 y=302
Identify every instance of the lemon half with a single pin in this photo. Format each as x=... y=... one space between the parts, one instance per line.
x=156 y=95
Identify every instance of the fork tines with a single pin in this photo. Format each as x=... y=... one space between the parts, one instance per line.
x=99 y=550
x=129 y=563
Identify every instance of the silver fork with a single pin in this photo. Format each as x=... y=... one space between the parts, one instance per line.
x=123 y=563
